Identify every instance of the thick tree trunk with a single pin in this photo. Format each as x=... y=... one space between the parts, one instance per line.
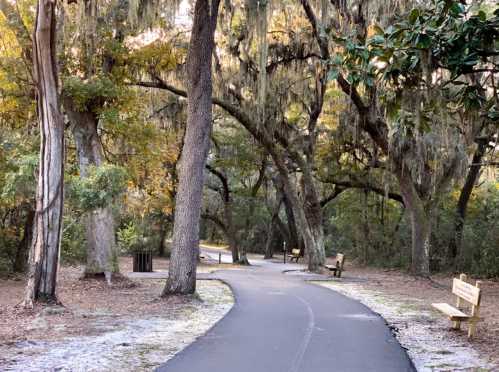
x=308 y=214
x=464 y=197
x=99 y=223
x=44 y=253
x=420 y=215
x=313 y=212
x=421 y=232
x=185 y=247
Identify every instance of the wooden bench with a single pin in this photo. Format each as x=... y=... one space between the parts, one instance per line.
x=338 y=267
x=464 y=292
x=295 y=255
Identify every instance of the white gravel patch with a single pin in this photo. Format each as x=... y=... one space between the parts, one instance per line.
x=134 y=345
x=421 y=332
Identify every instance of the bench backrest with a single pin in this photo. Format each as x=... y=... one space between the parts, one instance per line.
x=340 y=260
x=295 y=252
x=466 y=291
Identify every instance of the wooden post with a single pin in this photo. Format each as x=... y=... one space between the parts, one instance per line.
x=284 y=252
x=219 y=258
x=475 y=312
x=457 y=323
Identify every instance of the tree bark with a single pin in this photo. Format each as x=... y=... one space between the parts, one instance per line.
x=185 y=247
x=231 y=230
x=464 y=197
x=45 y=249
x=269 y=249
x=420 y=215
x=293 y=239
x=314 y=247
x=101 y=250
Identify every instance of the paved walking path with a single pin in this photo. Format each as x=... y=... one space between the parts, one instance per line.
x=281 y=323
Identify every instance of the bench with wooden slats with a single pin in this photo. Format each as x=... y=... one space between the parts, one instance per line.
x=295 y=255
x=464 y=292
x=337 y=269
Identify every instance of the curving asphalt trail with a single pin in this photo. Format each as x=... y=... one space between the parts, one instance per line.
x=281 y=323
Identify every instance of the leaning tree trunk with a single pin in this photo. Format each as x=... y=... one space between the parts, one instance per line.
x=44 y=253
x=99 y=223
x=185 y=245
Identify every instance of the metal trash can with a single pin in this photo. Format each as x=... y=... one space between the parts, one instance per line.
x=142 y=261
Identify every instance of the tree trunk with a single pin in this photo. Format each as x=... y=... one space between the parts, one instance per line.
x=313 y=213
x=464 y=197
x=230 y=229
x=420 y=215
x=102 y=256
x=366 y=241
x=269 y=249
x=185 y=247
x=421 y=232
x=292 y=237
x=308 y=214
x=45 y=249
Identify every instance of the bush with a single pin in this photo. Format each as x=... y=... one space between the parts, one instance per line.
x=73 y=242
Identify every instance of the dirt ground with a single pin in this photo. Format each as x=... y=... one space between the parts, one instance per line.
x=421 y=293
x=83 y=300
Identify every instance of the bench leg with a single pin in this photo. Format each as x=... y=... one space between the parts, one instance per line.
x=456 y=324
x=471 y=329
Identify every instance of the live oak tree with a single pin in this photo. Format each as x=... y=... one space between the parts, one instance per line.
x=44 y=253
x=185 y=244
x=424 y=152
x=84 y=100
